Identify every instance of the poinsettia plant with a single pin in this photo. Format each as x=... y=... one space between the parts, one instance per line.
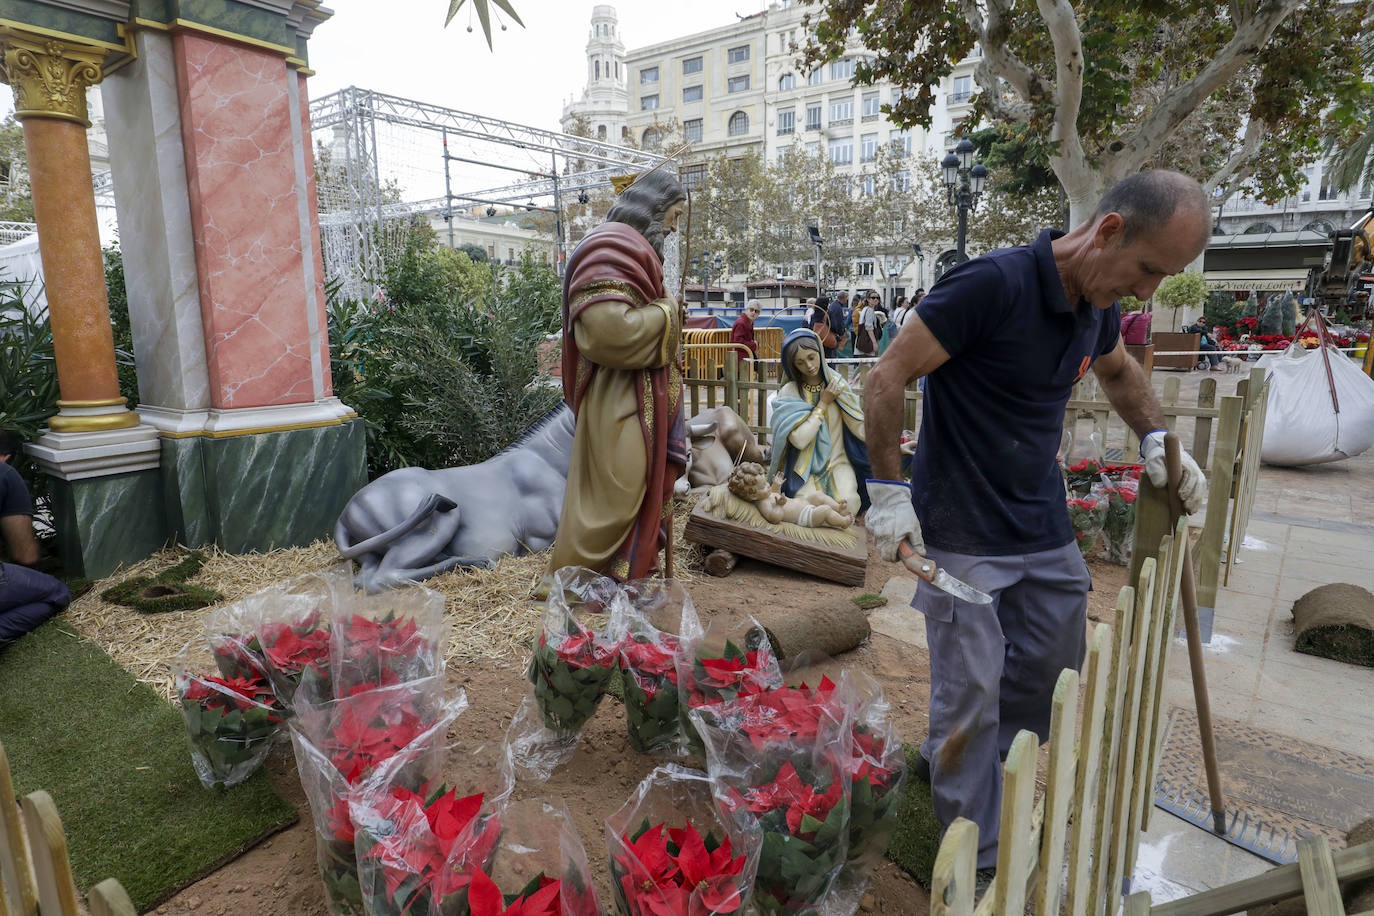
x=804 y=815
x=230 y=723
x=295 y=652
x=570 y=672
x=1118 y=525
x=706 y=679
x=403 y=841
x=1086 y=515
x=675 y=871
x=1081 y=475
x=649 y=677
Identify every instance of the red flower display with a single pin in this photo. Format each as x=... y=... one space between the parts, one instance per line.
x=674 y=871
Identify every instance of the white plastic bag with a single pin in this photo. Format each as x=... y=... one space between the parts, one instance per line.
x=1302 y=426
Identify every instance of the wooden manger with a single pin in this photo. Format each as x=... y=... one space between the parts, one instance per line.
x=847 y=565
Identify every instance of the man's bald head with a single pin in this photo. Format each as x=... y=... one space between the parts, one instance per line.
x=1147 y=201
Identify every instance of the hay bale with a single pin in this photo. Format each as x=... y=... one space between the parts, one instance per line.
x=1337 y=622
x=827 y=628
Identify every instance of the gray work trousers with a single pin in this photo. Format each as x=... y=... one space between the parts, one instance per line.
x=993 y=668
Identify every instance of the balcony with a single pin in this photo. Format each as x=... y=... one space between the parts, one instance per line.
x=783 y=131
x=958 y=98
x=870 y=117
x=841 y=122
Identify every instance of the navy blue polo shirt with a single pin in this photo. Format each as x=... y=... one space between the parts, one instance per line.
x=985 y=477
x=14 y=496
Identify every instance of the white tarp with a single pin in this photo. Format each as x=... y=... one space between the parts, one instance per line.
x=1302 y=425
x=19 y=261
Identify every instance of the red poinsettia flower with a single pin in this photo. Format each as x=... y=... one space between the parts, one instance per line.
x=291 y=649
x=372 y=728
x=485 y=899
x=688 y=882
x=340 y=822
x=799 y=798
x=652 y=659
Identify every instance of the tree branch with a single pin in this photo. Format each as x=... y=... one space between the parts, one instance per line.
x=1251 y=34
x=1068 y=56
x=997 y=57
x=1239 y=164
x=999 y=106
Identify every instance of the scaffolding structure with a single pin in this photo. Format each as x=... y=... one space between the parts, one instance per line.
x=380 y=141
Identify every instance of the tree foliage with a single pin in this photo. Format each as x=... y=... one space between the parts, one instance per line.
x=1228 y=92
x=17 y=202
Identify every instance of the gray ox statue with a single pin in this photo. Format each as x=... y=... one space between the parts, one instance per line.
x=718 y=437
x=414 y=523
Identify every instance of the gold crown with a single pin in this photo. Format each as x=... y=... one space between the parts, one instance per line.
x=621 y=182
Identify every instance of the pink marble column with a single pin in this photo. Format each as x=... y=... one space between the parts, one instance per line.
x=242 y=185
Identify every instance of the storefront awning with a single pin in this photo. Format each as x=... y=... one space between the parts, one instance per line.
x=1262 y=280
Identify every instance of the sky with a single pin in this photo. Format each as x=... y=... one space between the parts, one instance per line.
x=527 y=78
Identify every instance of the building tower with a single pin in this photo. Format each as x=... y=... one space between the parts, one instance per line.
x=604 y=103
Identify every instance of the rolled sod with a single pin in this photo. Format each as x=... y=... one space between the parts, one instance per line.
x=113 y=756
x=916 y=840
x=1337 y=622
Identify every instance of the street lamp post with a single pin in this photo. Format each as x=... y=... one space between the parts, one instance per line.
x=704 y=262
x=920 y=265
x=964 y=180
x=818 y=242
x=781 y=297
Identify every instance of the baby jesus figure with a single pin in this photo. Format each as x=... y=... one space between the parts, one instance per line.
x=749 y=482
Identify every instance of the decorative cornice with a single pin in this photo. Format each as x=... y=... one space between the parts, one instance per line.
x=49 y=77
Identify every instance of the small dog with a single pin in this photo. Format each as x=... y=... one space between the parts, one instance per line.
x=1232 y=363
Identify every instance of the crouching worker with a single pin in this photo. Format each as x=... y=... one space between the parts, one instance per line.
x=27 y=596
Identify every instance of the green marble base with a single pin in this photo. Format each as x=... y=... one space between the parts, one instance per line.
x=270 y=490
x=105 y=522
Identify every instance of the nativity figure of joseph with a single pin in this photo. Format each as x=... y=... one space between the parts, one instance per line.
x=623 y=380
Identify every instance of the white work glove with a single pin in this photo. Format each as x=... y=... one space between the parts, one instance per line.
x=891 y=518
x=1192 y=486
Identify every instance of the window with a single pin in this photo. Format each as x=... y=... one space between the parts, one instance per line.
x=648 y=75
x=739 y=124
x=815 y=77
x=617 y=69
x=691 y=94
x=738 y=83
x=787 y=81
x=650 y=138
x=737 y=55
x=691 y=65
x=901 y=142
x=901 y=182
x=813 y=117
x=648 y=102
x=692 y=176
x=596 y=68
x=841 y=110
x=601 y=131
x=868 y=186
x=871 y=105
x=866 y=267
x=963 y=90
x=842 y=69
x=842 y=151
x=868 y=147
x=813 y=148
x=691 y=130
x=787 y=122
x=491 y=252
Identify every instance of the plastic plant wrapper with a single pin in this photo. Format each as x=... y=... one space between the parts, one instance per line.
x=1086 y=515
x=384 y=639
x=231 y=722
x=574 y=653
x=677 y=850
x=877 y=772
x=783 y=757
x=231 y=632
x=647 y=624
x=405 y=837
x=714 y=666
x=340 y=743
x=1120 y=485
x=534 y=750
x=293 y=631
x=537 y=867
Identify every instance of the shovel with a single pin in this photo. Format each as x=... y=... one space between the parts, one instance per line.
x=927 y=570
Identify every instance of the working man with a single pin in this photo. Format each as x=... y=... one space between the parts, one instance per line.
x=1001 y=341
x=27 y=596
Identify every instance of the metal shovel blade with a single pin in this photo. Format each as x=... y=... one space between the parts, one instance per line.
x=937 y=577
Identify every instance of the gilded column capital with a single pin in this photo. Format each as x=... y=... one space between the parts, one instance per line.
x=49 y=77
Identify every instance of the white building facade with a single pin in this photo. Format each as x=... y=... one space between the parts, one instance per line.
x=604 y=103
x=737 y=89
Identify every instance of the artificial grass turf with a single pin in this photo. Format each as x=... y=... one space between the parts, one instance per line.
x=917 y=837
x=113 y=756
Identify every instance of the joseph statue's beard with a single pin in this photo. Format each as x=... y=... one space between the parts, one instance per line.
x=655 y=235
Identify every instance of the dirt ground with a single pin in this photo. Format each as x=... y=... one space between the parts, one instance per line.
x=279 y=877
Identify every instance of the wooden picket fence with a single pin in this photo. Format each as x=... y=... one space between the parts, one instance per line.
x=35 y=876
x=1097 y=797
